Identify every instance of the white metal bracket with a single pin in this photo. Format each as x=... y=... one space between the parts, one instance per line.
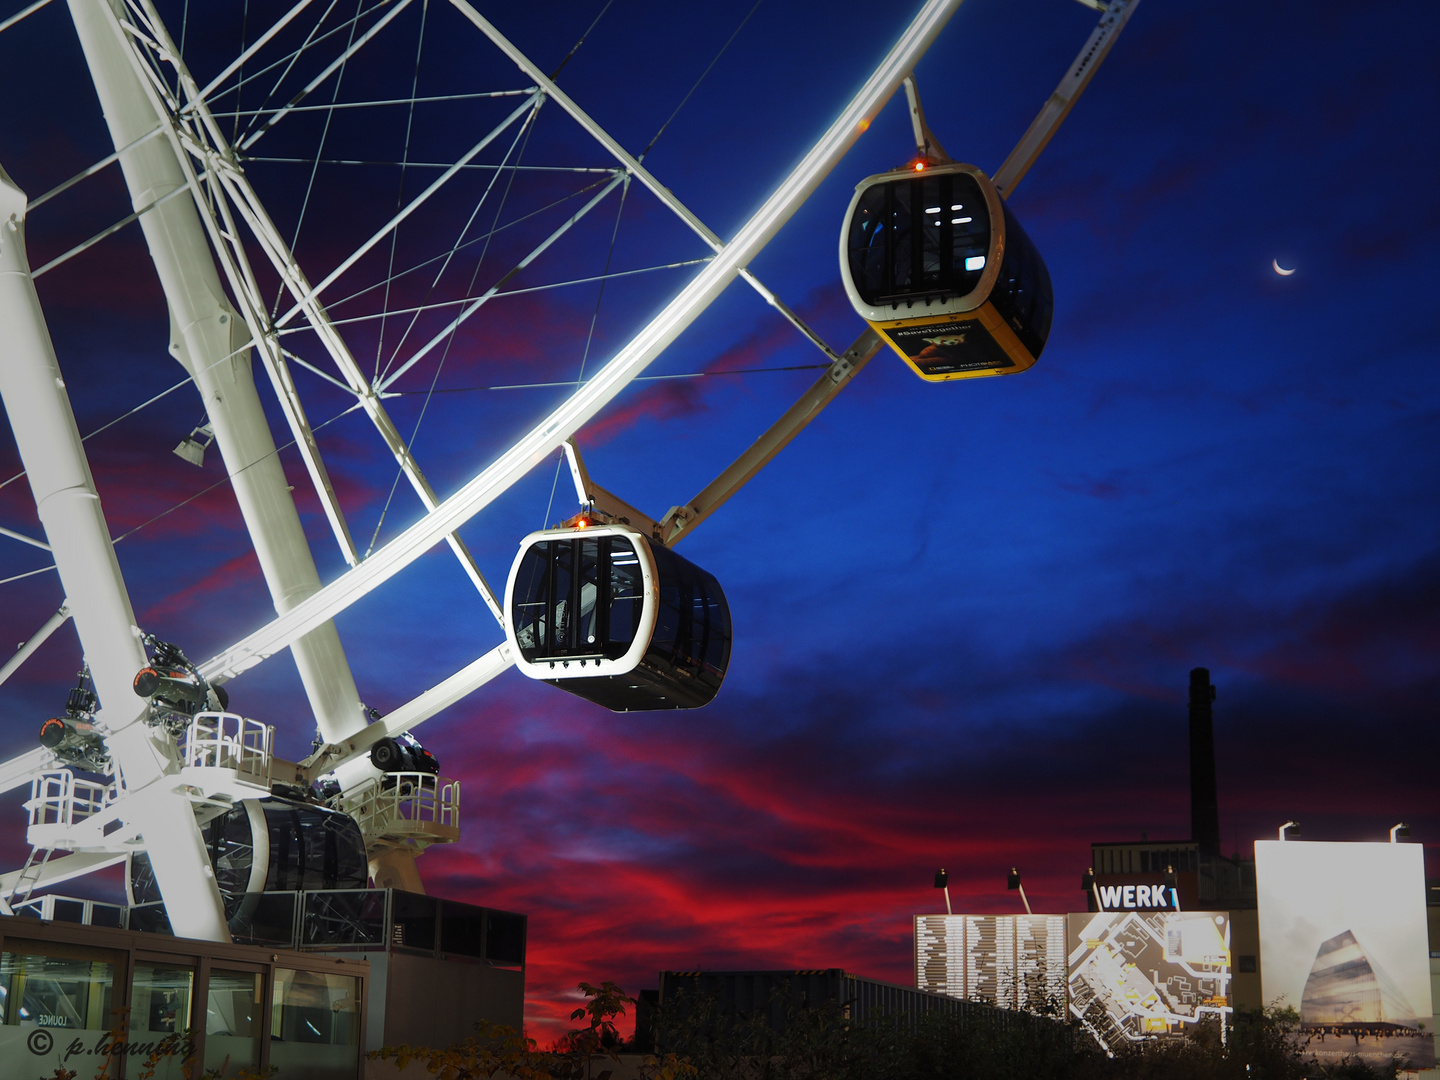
x=927 y=146
x=595 y=498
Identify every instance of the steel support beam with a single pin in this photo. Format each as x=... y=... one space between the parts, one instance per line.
x=632 y=163
x=209 y=340
x=40 y=637
x=1053 y=113
x=195 y=132
x=43 y=424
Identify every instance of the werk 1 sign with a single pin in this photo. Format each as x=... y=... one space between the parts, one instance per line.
x=1343 y=941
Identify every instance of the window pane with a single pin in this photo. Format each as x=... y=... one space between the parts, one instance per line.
x=315 y=1025
x=462 y=929
x=626 y=596
x=160 y=1020
x=531 y=602
x=412 y=920
x=869 y=233
x=55 y=1001
x=232 y=1021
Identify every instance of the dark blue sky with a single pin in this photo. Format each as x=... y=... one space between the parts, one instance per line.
x=965 y=613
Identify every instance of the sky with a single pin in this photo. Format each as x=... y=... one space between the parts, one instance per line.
x=964 y=613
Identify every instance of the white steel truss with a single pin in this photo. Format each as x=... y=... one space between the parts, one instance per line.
x=229 y=756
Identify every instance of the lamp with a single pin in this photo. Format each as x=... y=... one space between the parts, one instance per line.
x=1399 y=832
x=1013 y=882
x=1170 y=884
x=192 y=449
x=1087 y=884
x=942 y=882
x=1293 y=827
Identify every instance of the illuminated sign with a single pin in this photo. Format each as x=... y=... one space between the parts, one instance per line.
x=1136 y=897
x=1135 y=974
x=1343 y=941
x=1009 y=961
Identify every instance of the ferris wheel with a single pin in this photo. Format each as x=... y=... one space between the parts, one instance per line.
x=499 y=169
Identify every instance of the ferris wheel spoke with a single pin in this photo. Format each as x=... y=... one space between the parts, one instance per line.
x=315 y=83
x=595 y=394
x=475 y=305
x=410 y=208
x=632 y=164
x=23 y=13
x=254 y=47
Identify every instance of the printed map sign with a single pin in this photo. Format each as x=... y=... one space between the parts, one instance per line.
x=1145 y=974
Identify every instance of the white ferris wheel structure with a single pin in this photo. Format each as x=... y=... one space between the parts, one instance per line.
x=124 y=774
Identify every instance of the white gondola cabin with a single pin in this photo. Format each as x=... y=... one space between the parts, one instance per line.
x=934 y=260
x=605 y=612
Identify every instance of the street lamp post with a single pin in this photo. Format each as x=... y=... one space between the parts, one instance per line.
x=942 y=882
x=1170 y=883
x=1013 y=882
x=1087 y=884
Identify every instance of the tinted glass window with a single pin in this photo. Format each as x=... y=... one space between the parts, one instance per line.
x=695 y=619
x=315 y=1025
x=917 y=238
x=627 y=596
x=462 y=929
x=590 y=589
x=505 y=937
x=232 y=1021
x=412 y=920
x=1022 y=295
x=530 y=606
x=160 y=1016
x=311 y=848
x=231 y=850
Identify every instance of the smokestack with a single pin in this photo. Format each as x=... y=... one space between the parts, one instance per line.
x=1204 y=804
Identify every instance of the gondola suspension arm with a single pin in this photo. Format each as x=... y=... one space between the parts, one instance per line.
x=681 y=520
x=1115 y=15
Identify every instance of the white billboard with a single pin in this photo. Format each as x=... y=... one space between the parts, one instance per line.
x=1009 y=961
x=1343 y=941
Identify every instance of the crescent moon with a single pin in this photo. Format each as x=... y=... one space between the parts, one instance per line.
x=1280 y=269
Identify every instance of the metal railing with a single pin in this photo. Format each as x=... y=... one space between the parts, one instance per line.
x=58 y=798
x=405 y=805
x=222 y=740
x=342 y=920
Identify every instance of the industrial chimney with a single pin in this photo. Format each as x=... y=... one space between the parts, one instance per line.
x=1204 y=804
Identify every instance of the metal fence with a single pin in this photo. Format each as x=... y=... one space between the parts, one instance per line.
x=333 y=920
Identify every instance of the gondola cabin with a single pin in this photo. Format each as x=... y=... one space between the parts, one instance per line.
x=934 y=260
x=608 y=614
x=270 y=845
